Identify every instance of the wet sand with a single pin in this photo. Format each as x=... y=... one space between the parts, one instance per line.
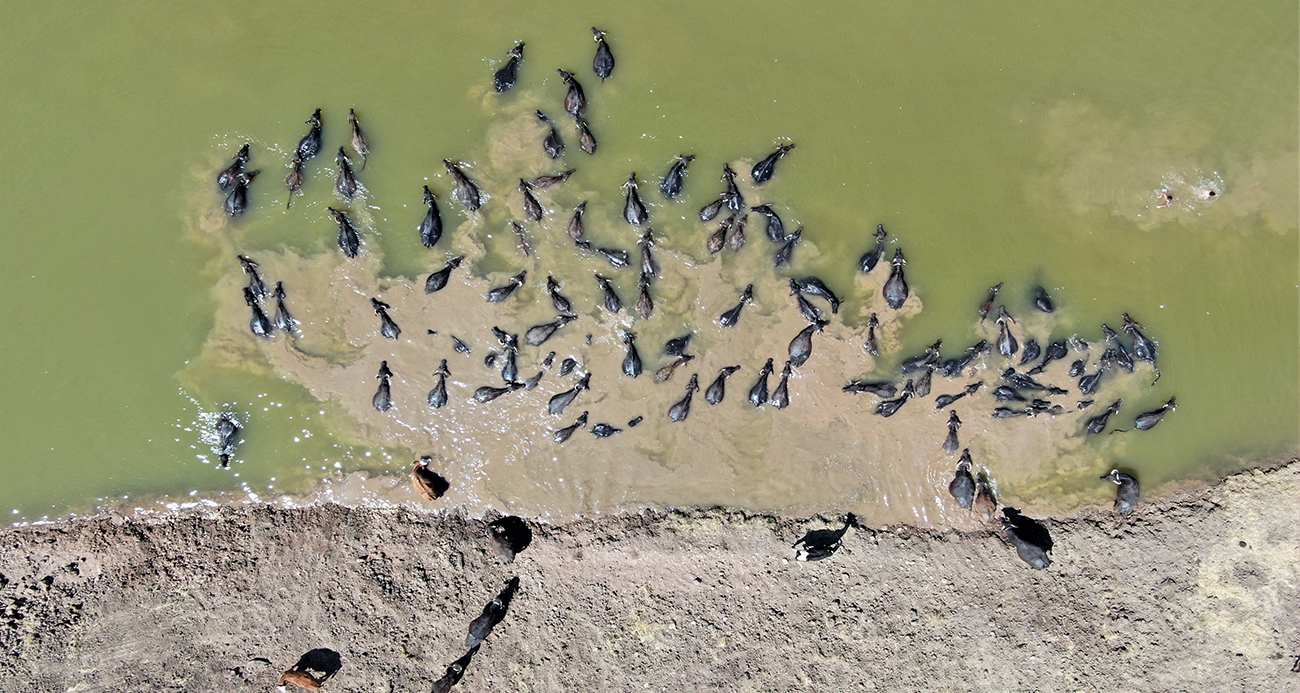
x=1196 y=592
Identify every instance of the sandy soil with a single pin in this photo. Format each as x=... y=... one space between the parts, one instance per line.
x=1197 y=592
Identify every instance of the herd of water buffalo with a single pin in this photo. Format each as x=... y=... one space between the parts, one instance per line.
x=1017 y=390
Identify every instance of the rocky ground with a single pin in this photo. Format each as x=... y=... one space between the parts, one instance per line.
x=1198 y=592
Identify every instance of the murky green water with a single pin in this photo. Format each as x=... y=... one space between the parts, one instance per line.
x=1021 y=148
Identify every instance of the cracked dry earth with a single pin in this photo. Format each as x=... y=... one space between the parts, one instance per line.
x=1194 y=592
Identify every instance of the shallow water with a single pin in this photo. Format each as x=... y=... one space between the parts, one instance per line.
x=1025 y=149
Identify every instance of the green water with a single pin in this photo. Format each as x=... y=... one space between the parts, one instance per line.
x=1021 y=147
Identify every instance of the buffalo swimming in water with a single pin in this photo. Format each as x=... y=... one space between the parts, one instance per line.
x=283 y=320
x=644 y=304
x=758 y=394
x=732 y=316
x=260 y=324
x=563 y=434
x=383 y=399
x=896 y=286
x=709 y=211
x=437 y=281
x=294 y=179
x=737 y=238
x=1143 y=348
x=431 y=228
x=871 y=257
x=538 y=334
x=255 y=283
x=632 y=361
x=603 y=63
x=718 y=240
x=987 y=305
x=962 y=486
x=1042 y=301
x=801 y=345
x=309 y=145
x=575 y=100
x=871 y=345
x=718 y=390
x=237 y=200
x=553 y=145
x=504 y=291
x=226 y=179
x=649 y=267
x=387 y=327
x=1097 y=424
x=1115 y=352
x=467 y=191
x=924 y=360
x=634 y=210
x=346 y=183
x=816 y=287
x=775 y=227
x=438 y=395
x=1054 y=352
x=672 y=183
x=545 y=181
x=616 y=257
x=890 y=407
x=488 y=393
x=877 y=388
x=349 y=240
x=612 y=302
x=665 y=373
x=228 y=429
x=763 y=170
x=986 y=503
x=944 y=400
x=781 y=395
x=562 y=401
x=505 y=78
x=576 y=228
x=735 y=201
x=1007 y=345
x=586 y=140
x=783 y=253
x=950 y=443
x=532 y=208
x=677 y=345
x=679 y=411
x=1148 y=420
x=1030 y=352
x=360 y=144
x=562 y=305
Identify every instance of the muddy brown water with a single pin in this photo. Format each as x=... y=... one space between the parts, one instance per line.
x=828 y=449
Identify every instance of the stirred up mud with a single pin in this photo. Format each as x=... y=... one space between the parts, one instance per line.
x=828 y=451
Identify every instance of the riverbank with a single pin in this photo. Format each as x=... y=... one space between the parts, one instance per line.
x=1196 y=591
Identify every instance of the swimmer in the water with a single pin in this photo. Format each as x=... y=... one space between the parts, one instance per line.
x=1206 y=193
x=1165 y=199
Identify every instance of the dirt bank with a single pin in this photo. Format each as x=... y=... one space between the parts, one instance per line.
x=1197 y=593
